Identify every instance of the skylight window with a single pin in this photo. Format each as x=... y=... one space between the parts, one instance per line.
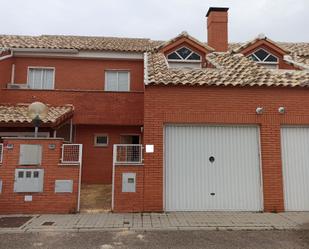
x=264 y=58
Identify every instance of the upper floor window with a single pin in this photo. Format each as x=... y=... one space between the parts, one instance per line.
x=264 y=58
x=41 y=78
x=101 y=140
x=184 y=57
x=118 y=81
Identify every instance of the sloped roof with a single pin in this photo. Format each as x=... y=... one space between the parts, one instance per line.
x=78 y=42
x=298 y=51
x=229 y=69
x=184 y=34
x=298 y=48
x=260 y=37
x=17 y=114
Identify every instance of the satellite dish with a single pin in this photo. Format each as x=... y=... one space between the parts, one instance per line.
x=37 y=110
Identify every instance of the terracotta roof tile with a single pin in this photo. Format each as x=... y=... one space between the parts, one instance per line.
x=298 y=51
x=183 y=34
x=18 y=114
x=230 y=69
x=78 y=42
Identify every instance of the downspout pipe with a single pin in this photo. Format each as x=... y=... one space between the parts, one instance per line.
x=7 y=56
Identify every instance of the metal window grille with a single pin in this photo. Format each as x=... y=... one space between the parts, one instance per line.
x=1 y=153
x=128 y=153
x=71 y=153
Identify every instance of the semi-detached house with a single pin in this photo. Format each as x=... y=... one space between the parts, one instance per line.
x=196 y=126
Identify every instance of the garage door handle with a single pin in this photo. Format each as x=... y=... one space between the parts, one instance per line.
x=212 y=194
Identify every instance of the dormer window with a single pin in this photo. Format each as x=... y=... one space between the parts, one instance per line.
x=264 y=58
x=184 y=57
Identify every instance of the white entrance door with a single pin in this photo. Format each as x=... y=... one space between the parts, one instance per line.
x=295 y=167
x=212 y=168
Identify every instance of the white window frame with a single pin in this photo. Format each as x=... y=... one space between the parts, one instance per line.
x=38 y=67
x=101 y=135
x=264 y=62
x=181 y=59
x=117 y=71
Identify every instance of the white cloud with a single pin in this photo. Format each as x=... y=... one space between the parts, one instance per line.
x=283 y=20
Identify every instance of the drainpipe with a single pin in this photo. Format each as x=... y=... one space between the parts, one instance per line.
x=79 y=176
x=7 y=56
x=13 y=74
x=71 y=131
x=113 y=176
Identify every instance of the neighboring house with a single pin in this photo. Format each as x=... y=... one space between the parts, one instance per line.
x=224 y=126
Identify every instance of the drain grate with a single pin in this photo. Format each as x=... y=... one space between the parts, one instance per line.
x=11 y=222
x=48 y=223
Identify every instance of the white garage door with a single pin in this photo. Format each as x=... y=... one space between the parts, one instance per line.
x=295 y=167
x=212 y=168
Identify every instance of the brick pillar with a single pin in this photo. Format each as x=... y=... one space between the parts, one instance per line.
x=272 y=168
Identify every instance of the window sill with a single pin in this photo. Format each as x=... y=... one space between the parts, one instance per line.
x=73 y=90
x=68 y=164
x=129 y=164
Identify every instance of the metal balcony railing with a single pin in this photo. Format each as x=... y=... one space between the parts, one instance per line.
x=71 y=153
x=128 y=153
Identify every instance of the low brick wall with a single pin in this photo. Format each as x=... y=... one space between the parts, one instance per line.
x=43 y=202
x=128 y=202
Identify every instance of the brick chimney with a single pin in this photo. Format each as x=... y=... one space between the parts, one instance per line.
x=217 y=28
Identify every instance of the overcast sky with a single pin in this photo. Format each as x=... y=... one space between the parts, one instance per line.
x=280 y=20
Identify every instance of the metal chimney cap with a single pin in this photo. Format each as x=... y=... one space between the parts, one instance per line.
x=216 y=9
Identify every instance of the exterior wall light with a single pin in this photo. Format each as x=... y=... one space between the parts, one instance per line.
x=37 y=111
x=281 y=110
x=259 y=110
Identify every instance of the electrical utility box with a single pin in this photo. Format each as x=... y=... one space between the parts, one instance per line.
x=29 y=180
x=128 y=182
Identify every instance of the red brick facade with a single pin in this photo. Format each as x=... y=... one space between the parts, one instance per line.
x=222 y=105
x=143 y=111
x=98 y=161
x=88 y=75
x=129 y=202
x=5 y=72
x=47 y=201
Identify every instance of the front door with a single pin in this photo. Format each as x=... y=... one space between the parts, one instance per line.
x=129 y=139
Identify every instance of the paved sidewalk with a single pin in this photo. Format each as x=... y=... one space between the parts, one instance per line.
x=164 y=221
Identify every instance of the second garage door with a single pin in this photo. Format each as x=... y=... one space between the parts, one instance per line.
x=295 y=167
x=212 y=168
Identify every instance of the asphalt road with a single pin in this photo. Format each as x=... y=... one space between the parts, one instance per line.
x=159 y=239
